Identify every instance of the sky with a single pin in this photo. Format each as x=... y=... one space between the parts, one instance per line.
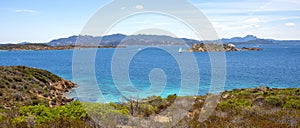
x=40 y=21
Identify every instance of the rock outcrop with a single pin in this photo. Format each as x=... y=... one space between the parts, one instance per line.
x=218 y=48
x=251 y=49
x=212 y=48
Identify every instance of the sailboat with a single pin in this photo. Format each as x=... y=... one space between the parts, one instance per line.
x=180 y=50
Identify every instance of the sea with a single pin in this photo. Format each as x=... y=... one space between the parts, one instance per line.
x=111 y=75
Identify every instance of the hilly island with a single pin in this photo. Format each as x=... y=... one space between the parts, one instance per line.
x=32 y=97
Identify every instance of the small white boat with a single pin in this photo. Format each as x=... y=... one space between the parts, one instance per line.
x=180 y=50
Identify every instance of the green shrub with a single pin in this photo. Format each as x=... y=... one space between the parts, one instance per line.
x=1 y=117
x=106 y=114
x=122 y=108
x=19 y=120
x=294 y=97
x=73 y=110
x=292 y=104
x=146 y=109
x=235 y=103
x=43 y=113
x=159 y=103
x=171 y=98
x=274 y=100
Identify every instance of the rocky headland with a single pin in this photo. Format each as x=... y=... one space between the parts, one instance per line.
x=20 y=85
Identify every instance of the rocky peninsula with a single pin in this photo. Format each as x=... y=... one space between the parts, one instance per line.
x=218 y=48
x=20 y=85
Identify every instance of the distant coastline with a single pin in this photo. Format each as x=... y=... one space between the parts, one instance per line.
x=18 y=47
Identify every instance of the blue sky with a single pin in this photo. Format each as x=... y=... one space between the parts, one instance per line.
x=44 y=20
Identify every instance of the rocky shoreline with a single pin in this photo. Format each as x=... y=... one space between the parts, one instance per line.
x=218 y=48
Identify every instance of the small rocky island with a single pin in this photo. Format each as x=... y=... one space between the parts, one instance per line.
x=17 y=47
x=20 y=85
x=218 y=48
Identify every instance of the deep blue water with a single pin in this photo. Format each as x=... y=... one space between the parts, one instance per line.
x=276 y=66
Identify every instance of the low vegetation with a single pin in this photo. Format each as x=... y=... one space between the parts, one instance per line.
x=258 y=107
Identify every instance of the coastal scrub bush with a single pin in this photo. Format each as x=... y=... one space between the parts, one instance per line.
x=122 y=108
x=159 y=104
x=171 y=98
x=106 y=114
x=244 y=93
x=74 y=110
x=43 y=113
x=274 y=100
x=146 y=110
x=235 y=103
x=292 y=104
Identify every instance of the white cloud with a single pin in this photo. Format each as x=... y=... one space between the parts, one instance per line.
x=290 y=24
x=252 y=20
x=162 y=23
x=139 y=7
x=217 y=25
x=248 y=7
x=289 y=18
x=28 y=11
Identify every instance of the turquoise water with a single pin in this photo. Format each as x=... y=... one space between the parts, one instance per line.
x=277 y=66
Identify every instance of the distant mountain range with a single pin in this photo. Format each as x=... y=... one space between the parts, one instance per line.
x=141 y=39
x=249 y=39
x=120 y=39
